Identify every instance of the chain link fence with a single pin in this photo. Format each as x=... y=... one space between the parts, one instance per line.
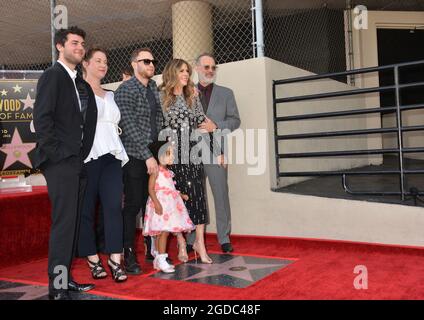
x=308 y=34
x=122 y=26
x=308 y=38
x=311 y=36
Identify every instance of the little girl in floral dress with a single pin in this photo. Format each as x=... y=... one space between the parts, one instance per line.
x=165 y=209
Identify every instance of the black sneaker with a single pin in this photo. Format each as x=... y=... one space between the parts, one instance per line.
x=131 y=264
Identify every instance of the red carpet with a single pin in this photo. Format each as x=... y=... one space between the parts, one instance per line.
x=24 y=226
x=323 y=270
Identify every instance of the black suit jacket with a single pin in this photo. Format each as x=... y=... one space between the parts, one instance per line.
x=59 y=124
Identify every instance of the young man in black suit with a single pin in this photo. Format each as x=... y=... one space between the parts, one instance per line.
x=65 y=116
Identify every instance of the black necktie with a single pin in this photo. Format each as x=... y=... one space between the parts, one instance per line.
x=83 y=95
x=203 y=101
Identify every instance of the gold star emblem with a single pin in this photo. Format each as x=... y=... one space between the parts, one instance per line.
x=17 y=88
x=3 y=93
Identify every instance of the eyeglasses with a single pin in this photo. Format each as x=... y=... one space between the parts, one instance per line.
x=207 y=67
x=148 y=61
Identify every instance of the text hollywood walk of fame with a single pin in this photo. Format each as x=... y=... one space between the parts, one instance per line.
x=18 y=140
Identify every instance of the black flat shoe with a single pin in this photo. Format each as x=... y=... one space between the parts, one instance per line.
x=73 y=286
x=227 y=247
x=62 y=295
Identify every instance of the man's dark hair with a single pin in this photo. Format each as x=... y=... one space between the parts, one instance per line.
x=61 y=35
x=128 y=70
x=135 y=53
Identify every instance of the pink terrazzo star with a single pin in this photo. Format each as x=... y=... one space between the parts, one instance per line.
x=17 y=151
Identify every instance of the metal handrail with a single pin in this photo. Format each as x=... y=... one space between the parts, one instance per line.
x=349 y=92
x=348 y=72
x=351 y=173
x=340 y=153
x=348 y=113
x=347 y=133
x=400 y=150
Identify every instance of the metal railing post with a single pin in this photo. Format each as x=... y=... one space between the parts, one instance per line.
x=399 y=135
x=274 y=110
x=52 y=30
x=259 y=28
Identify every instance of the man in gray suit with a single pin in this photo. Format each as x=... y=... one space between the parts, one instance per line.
x=221 y=111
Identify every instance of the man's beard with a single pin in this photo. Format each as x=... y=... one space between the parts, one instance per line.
x=205 y=79
x=71 y=59
x=146 y=74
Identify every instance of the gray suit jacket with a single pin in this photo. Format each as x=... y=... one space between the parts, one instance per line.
x=223 y=109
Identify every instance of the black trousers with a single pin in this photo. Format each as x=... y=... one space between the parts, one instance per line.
x=66 y=183
x=104 y=183
x=136 y=192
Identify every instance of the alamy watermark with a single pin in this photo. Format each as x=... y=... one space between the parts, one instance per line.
x=60 y=281
x=241 y=147
x=360 y=21
x=361 y=280
x=60 y=20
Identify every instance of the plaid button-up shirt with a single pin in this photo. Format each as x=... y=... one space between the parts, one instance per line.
x=135 y=116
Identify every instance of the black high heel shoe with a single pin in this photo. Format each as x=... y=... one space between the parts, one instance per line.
x=117 y=271
x=96 y=269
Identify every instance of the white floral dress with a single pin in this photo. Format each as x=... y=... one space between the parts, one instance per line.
x=175 y=217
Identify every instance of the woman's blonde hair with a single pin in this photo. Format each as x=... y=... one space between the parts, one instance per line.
x=170 y=81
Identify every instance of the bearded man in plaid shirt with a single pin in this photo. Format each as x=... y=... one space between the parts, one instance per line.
x=141 y=121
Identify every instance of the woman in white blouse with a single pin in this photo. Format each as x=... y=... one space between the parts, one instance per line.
x=104 y=170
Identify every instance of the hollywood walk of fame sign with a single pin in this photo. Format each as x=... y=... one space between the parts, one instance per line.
x=17 y=139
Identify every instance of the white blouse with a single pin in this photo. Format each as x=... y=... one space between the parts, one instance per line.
x=106 y=139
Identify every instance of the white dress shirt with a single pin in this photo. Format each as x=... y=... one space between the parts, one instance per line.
x=106 y=139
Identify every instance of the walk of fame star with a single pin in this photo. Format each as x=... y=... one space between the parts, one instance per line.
x=226 y=270
x=19 y=291
x=26 y=292
x=28 y=102
x=17 y=151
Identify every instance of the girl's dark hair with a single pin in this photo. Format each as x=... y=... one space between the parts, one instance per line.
x=157 y=150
